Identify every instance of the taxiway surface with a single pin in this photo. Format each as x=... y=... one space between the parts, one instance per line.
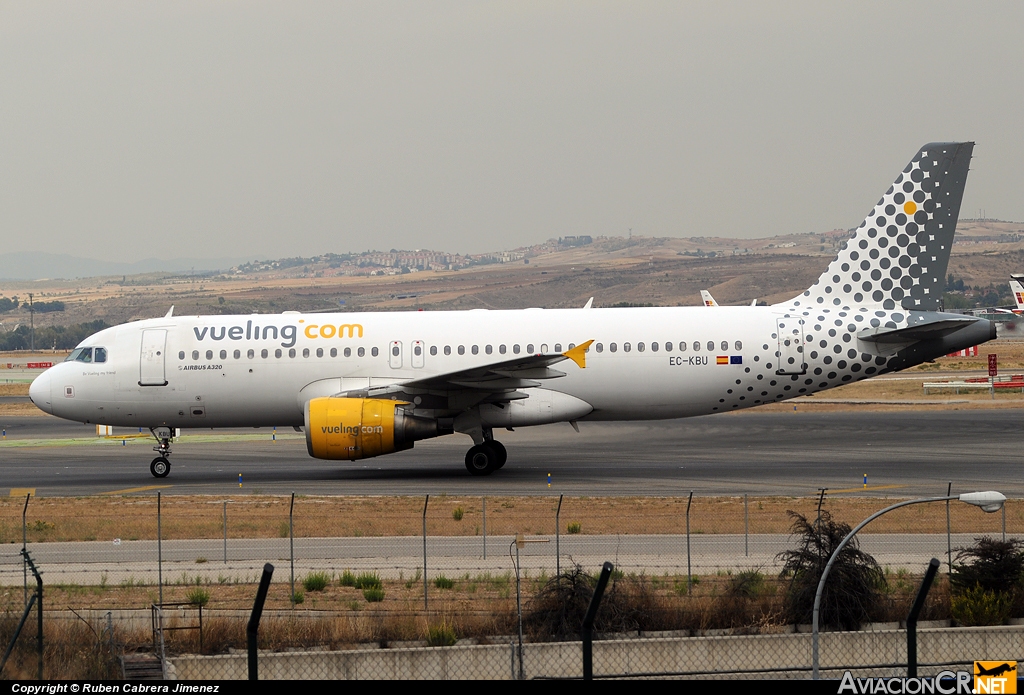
x=907 y=453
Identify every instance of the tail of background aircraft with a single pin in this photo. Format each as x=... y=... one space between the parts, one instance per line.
x=1018 y=290
x=899 y=255
x=707 y=298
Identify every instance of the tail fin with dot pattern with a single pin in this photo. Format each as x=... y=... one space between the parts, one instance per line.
x=899 y=254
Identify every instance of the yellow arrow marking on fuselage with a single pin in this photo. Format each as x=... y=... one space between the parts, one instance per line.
x=579 y=354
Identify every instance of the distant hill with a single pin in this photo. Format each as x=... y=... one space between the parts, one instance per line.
x=37 y=265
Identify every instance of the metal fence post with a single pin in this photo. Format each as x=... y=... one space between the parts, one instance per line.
x=159 y=551
x=24 y=543
x=587 y=630
x=225 y=532
x=426 y=501
x=485 y=527
x=252 y=630
x=689 y=571
x=291 y=546
x=746 y=526
x=915 y=610
x=949 y=534
x=1004 y=523
x=558 y=524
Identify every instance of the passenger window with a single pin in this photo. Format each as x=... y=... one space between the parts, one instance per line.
x=600 y=347
x=558 y=347
x=462 y=349
x=654 y=347
x=223 y=354
x=277 y=353
x=696 y=346
x=238 y=354
x=447 y=349
x=361 y=352
x=529 y=349
x=418 y=350
x=488 y=349
x=181 y=355
x=250 y=354
x=625 y=347
x=319 y=352
x=264 y=354
x=711 y=346
x=572 y=345
x=347 y=353
x=515 y=348
x=305 y=352
x=334 y=352
x=501 y=349
x=725 y=346
x=209 y=354
x=543 y=347
x=613 y=347
x=668 y=347
x=682 y=346
x=374 y=352
x=639 y=347
x=195 y=354
x=433 y=349
x=395 y=351
x=475 y=350
x=739 y=346
x=291 y=352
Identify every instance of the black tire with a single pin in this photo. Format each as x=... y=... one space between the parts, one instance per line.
x=160 y=467
x=481 y=459
x=499 y=449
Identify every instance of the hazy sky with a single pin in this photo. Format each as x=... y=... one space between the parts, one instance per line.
x=137 y=129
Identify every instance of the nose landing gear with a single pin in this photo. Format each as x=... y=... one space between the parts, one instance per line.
x=161 y=465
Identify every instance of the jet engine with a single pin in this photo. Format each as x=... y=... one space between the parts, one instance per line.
x=358 y=428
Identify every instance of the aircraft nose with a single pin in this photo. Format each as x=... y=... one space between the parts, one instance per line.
x=39 y=392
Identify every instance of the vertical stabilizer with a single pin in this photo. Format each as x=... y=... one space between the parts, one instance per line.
x=1018 y=291
x=899 y=254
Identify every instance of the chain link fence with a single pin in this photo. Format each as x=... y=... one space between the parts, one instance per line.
x=437 y=587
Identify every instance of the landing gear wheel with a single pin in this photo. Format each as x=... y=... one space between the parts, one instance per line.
x=482 y=459
x=160 y=467
x=499 y=449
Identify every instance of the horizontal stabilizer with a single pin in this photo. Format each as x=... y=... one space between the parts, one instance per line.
x=916 y=333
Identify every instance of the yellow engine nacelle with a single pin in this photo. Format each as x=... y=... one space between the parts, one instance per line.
x=358 y=428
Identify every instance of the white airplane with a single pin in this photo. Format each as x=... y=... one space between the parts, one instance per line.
x=363 y=385
x=1018 y=293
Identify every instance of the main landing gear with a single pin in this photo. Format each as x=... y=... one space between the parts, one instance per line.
x=161 y=465
x=485 y=458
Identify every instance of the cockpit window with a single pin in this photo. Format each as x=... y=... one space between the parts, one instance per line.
x=83 y=355
x=99 y=355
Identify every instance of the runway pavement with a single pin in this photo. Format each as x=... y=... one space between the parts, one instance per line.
x=907 y=453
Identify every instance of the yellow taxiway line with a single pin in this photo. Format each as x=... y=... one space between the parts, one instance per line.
x=136 y=489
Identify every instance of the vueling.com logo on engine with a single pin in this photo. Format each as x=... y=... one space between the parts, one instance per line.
x=356 y=431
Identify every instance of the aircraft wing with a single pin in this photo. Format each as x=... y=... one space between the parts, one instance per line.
x=491 y=383
x=521 y=372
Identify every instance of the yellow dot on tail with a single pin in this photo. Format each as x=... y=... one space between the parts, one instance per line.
x=910 y=208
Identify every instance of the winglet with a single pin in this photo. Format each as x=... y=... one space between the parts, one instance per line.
x=589 y=304
x=579 y=354
x=169 y=312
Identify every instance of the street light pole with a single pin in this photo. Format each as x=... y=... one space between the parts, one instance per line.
x=988 y=501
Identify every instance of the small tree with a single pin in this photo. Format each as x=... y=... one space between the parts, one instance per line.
x=987 y=582
x=854 y=584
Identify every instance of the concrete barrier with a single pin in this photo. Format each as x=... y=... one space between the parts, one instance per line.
x=876 y=653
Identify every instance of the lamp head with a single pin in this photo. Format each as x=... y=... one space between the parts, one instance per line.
x=989 y=501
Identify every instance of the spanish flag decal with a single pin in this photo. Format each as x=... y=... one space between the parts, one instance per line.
x=729 y=359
